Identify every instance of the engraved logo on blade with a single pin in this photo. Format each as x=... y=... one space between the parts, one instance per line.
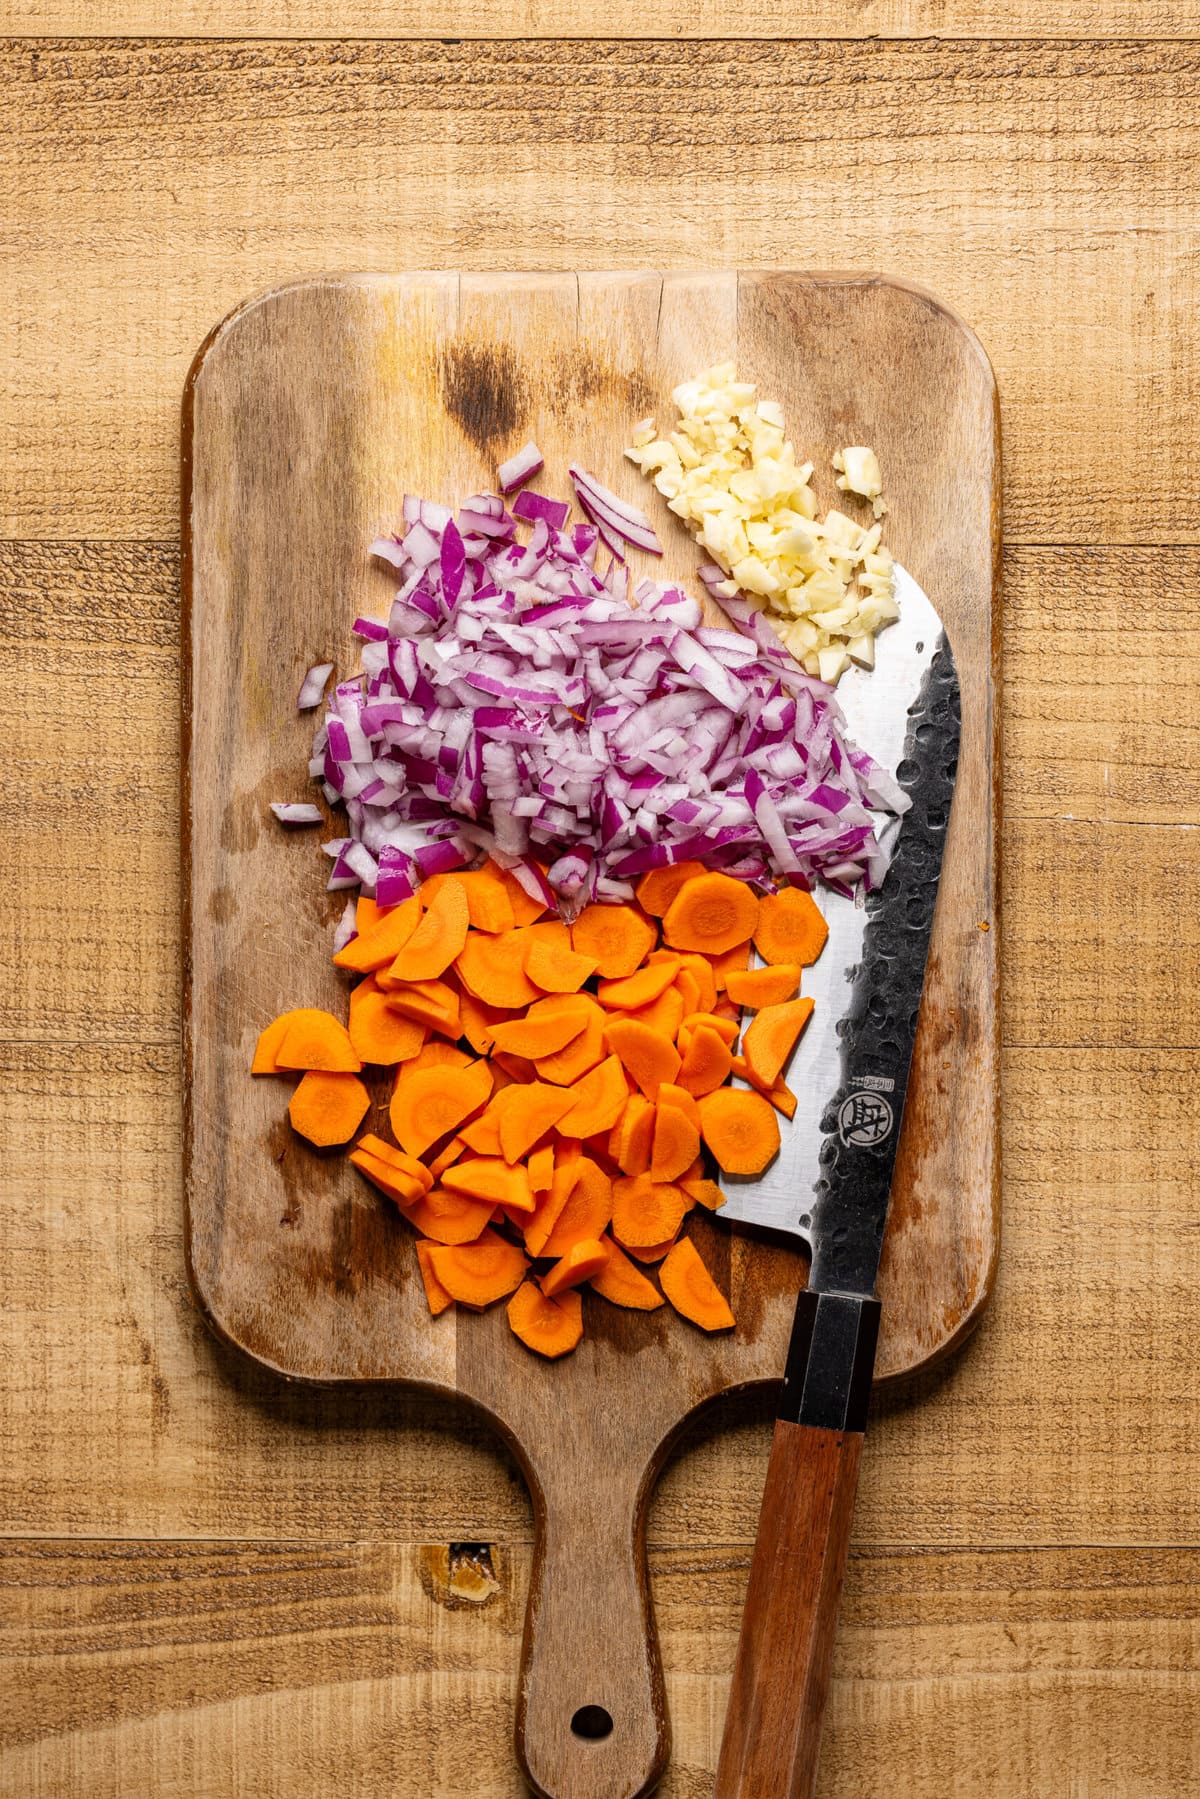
x=865 y=1119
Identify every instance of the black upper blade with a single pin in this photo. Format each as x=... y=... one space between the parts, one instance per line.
x=862 y=1121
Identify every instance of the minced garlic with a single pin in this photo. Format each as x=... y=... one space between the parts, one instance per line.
x=732 y=476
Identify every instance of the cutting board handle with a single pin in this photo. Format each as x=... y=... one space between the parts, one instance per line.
x=591 y=1709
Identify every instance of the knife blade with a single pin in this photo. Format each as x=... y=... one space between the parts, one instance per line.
x=830 y=1185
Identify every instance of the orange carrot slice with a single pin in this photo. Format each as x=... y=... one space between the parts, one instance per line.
x=732 y=961
x=488 y=1177
x=664 y=1015
x=706 y=1062
x=651 y=1252
x=436 y=1054
x=692 y=1290
x=550 y=1327
x=478 y=1274
x=397 y=1185
x=639 y=989
x=622 y=1283
x=582 y=1261
x=316 y=1039
x=412 y=1166
x=270 y=1039
x=704 y=1192
x=435 y=1293
x=556 y=970
x=478 y=1022
x=529 y=1115
x=439 y=937
x=710 y=913
x=650 y=1057
x=493 y=969
x=764 y=986
x=525 y=908
x=377 y=1031
x=446 y=1157
x=450 y=1217
x=676 y=1140
x=617 y=938
x=431 y=1003
x=549 y=1025
x=780 y=1095
x=656 y=890
x=790 y=928
x=700 y=969
x=772 y=1036
x=483 y=1133
x=379 y=945
x=541 y=1170
x=599 y=1098
x=632 y=1137
x=488 y=905
x=725 y=1028
x=434 y=1101
x=566 y=1066
x=586 y=1213
x=645 y=1211
x=740 y=1128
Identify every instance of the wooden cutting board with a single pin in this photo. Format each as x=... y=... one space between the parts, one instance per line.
x=309 y=413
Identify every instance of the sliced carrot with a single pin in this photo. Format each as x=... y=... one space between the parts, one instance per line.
x=706 y=1062
x=740 y=1128
x=493 y=969
x=582 y=1262
x=488 y=905
x=617 y=938
x=700 y=969
x=432 y=1003
x=566 y=1066
x=725 y=1028
x=790 y=928
x=651 y=1252
x=772 y=1036
x=435 y=1293
x=530 y=1114
x=483 y=1133
x=437 y=1053
x=711 y=913
x=488 y=1177
x=780 y=1095
x=704 y=1192
x=551 y=1205
x=650 y=1057
x=541 y=1169
x=692 y=1290
x=550 y=1327
x=731 y=961
x=433 y=1102
x=525 y=907
x=316 y=1039
x=688 y=989
x=515 y=1067
x=381 y=943
x=656 y=890
x=554 y=932
x=450 y=1217
x=623 y=1284
x=398 y=1186
x=599 y=1100
x=764 y=986
x=639 y=989
x=478 y=1021
x=368 y=913
x=632 y=1136
x=548 y=1026
x=676 y=1140
x=270 y=1039
x=446 y=1157
x=664 y=1015
x=556 y=970
x=478 y=1274
x=646 y=1211
x=378 y=1032
x=387 y=1152
x=694 y=1173
x=682 y=1101
x=586 y=1213
x=439 y=937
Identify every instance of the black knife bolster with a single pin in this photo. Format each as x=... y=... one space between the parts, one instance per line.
x=827 y=1382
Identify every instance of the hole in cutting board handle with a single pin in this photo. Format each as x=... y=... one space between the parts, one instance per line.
x=592 y=1722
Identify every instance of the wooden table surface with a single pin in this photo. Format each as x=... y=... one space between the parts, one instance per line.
x=213 y=1586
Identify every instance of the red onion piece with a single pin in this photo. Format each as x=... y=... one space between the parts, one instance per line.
x=520 y=467
x=297 y=812
x=312 y=688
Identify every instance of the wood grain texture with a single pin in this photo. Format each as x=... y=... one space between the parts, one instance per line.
x=1043 y=190
x=534 y=19
x=1046 y=190
x=290 y=1670
x=421 y=384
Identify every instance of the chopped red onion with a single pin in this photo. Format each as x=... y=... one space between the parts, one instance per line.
x=297 y=812
x=346 y=927
x=520 y=705
x=518 y=468
x=312 y=688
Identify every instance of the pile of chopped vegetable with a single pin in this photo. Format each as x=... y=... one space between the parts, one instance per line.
x=519 y=704
x=555 y=1084
x=729 y=472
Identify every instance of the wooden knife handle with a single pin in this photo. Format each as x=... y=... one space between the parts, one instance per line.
x=785 y=1651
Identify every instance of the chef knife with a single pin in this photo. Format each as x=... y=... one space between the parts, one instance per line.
x=830 y=1185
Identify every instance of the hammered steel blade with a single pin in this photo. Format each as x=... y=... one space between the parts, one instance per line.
x=829 y=1183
